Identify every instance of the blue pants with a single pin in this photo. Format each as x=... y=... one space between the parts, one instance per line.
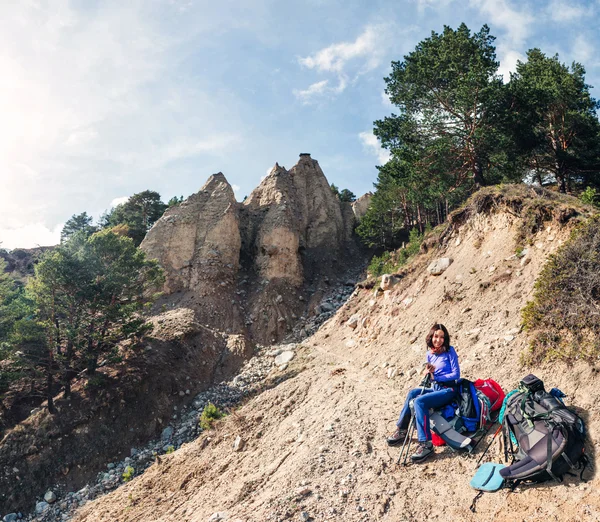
x=429 y=399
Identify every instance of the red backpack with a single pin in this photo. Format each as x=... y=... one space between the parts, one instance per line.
x=492 y=390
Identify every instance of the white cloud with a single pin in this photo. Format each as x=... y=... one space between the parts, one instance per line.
x=345 y=60
x=235 y=188
x=30 y=236
x=119 y=201
x=516 y=23
x=508 y=63
x=81 y=137
x=432 y=4
x=90 y=103
x=584 y=51
x=371 y=143
x=335 y=57
x=561 y=11
x=313 y=90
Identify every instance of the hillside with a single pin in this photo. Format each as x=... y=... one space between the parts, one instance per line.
x=238 y=276
x=314 y=445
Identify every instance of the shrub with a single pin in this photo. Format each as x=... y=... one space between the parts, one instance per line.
x=170 y=449
x=564 y=315
x=590 y=196
x=389 y=262
x=128 y=474
x=382 y=264
x=210 y=414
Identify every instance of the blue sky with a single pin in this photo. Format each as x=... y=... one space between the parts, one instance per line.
x=99 y=100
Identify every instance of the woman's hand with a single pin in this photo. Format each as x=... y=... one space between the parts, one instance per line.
x=429 y=368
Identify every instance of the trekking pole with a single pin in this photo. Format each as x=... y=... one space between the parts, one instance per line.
x=411 y=426
x=407 y=438
x=488 y=446
x=483 y=436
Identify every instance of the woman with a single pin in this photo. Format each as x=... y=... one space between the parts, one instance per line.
x=442 y=366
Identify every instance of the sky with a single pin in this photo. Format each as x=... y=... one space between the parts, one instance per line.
x=100 y=100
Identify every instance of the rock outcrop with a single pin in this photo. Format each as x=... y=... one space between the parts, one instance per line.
x=255 y=268
x=361 y=205
x=198 y=241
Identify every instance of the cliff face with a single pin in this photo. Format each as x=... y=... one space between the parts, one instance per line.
x=258 y=267
x=198 y=241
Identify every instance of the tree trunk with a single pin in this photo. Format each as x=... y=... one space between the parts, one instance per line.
x=50 y=383
x=478 y=175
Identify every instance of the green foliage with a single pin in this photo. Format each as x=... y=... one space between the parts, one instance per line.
x=554 y=119
x=383 y=264
x=449 y=96
x=86 y=296
x=590 y=196
x=448 y=138
x=128 y=474
x=563 y=316
x=347 y=196
x=210 y=414
x=89 y=294
x=139 y=213
x=77 y=224
x=343 y=195
x=170 y=449
x=174 y=201
x=390 y=262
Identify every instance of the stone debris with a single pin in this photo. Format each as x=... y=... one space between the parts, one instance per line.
x=388 y=281
x=238 y=444
x=223 y=395
x=284 y=357
x=353 y=321
x=439 y=266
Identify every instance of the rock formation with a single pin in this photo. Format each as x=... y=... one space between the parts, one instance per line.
x=360 y=206
x=198 y=241
x=254 y=268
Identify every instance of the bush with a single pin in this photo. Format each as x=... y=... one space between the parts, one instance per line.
x=590 y=196
x=382 y=264
x=564 y=316
x=389 y=262
x=210 y=414
x=128 y=474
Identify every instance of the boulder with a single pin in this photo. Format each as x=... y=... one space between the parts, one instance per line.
x=238 y=444
x=361 y=205
x=284 y=357
x=439 y=266
x=388 y=281
x=353 y=321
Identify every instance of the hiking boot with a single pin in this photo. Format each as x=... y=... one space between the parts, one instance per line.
x=397 y=438
x=424 y=449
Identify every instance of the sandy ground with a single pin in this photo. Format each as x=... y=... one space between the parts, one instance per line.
x=315 y=444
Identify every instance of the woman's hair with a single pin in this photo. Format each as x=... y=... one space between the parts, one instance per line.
x=434 y=329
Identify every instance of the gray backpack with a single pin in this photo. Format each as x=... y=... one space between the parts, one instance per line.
x=544 y=438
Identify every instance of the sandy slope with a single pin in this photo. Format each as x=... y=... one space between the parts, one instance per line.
x=315 y=444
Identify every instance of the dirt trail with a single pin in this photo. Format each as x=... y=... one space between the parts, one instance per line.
x=315 y=444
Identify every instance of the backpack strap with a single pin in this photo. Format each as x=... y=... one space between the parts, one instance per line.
x=549 y=457
x=472 y=507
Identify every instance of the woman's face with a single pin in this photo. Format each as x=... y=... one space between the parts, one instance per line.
x=437 y=341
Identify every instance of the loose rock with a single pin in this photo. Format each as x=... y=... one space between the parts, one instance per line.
x=439 y=266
